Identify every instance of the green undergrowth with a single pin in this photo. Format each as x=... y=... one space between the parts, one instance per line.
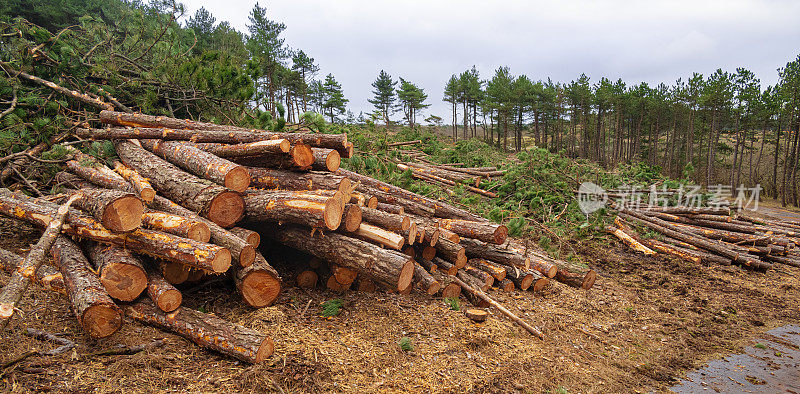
x=535 y=197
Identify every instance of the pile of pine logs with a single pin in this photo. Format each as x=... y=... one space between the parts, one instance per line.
x=711 y=235
x=187 y=201
x=427 y=170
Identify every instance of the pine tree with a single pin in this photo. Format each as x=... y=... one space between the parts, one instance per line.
x=412 y=99
x=451 y=96
x=335 y=103
x=384 y=95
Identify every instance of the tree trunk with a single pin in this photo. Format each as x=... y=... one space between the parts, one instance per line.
x=269 y=178
x=300 y=157
x=161 y=292
x=425 y=281
x=96 y=312
x=326 y=159
x=451 y=252
x=140 y=184
x=220 y=205
x=116 y=210
x=252 y=237
x=294 y=207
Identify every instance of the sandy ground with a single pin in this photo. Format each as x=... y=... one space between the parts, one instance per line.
x=646 y=323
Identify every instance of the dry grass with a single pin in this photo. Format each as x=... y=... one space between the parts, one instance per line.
x=646 y=322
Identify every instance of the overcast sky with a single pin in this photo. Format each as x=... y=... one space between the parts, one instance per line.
x=427 y=41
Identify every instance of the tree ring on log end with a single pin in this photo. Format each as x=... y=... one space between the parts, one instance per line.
x=452 y=290
x=333 y=213
x=333 y=160
x=540 y=284
x=247 y=255
x=101 y=321
x=260 y=289
x=170 y=300
x=265 y=350
x=588 y=280
x=353 y=218
x=123 y=214
x=200 y=232
x=226 y=209
x=222 y=261
x=477 y=315
x=122 y=281
x=500 y=234
x=406 y=275
x=237 y=179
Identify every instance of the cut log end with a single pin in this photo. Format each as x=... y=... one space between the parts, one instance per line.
x=434 y=288
x=147 y=194
x=553 y=270
x=372 y=202
x=500 y=235
x=307 y=279
x=406 y=275
x=412 y=233
x=222 y=261
x=589 y=279
x=285 y=146
x=461 y=259
x=302 y=155
x=169 y=300
x=333 y=213
x=266 y=350
x=174 y=273
x=237 y=179
x=428 y=253
x=199 y=231
x=122 y=281
x=540 y=283
x=452 y=290
x=123 y=214
x=352 y=217
x=333 y=160
x=226 y=209
x=477 y=315
x=260 y=289
x=247 y=255
x=101 y=320
x=526 y=282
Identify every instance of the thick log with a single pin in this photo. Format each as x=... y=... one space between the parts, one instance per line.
x=444 y=266
x=294 y=207
x=521 y=277
x=21 y=277
x=266 y=147
x=201 y=163
x=166 y=296
x=451 y=251
x=121 y=273
x=299 y=158
x=222 y=206
x=352 y=217
x=96 y=312
x=384 y=266
x=386 y=220
x=390 y=208
x=580 y=280
x=142 y=186
x=425 y=281
x=258 y=283
x=270 y=178
x=448 y=287
x=46 y=276
x=252 y=237
x=326 y=159
x=116 y=210
x=345 y=276
x=496 y=271
x=206 y=330
x=178 y=225
x=161 y=245
x=507 y=257
x=505 y=285
x=501 y=308
x=483 y=276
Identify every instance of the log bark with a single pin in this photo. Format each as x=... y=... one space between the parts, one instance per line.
x=222 y=206
x=484 y=277
x=384 y=266
x=299 y=158
x=326 y=159
x=630 y=241
x=121 y=273
x=496 y=271
x=386 y=220
x=20 y=279
x=521 y=277
x=270 y=178
x=390 y=208
x=163 y=294
x=294 y=207
x=201 y=163
x=161 y=245
x=484 y=231
x=444 y=266
x=94 y=309
x=452 y=252
x=449 y=288
x=140 y=184
x=206 y=330
x=449 y=235
x=489 y=252
x=178 y=225
x=258 y=283
x=252 y=237
x=73 y=94
x=266 y=147
x=307 y=279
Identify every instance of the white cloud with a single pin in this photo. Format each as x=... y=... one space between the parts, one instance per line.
x=427 y=41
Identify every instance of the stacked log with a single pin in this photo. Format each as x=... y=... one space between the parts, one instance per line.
x=711 y=235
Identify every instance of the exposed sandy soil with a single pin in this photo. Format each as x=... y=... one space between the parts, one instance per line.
x=646 y=322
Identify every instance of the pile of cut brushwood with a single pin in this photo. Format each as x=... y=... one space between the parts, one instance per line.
x=448 y=175
x=711 y=235
x=187 y=202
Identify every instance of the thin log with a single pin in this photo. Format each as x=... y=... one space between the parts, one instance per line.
x=425 y=281
x=163 y=294
x=451 y=251
x=403 y=143
x=142 y=186
x=449 y=288
x=20 y=279
x=380 y=236
x=390 y=208
x=252 y=237
x=181 y=226
x=73 y=94
x=266 y=147
x=307 y=279
x=270 y=178
x=326 y=159
x=203 y=164
x=630 y=241
x=496 y=271
x=46 y=276
x=484 y=231
x=206 y=330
